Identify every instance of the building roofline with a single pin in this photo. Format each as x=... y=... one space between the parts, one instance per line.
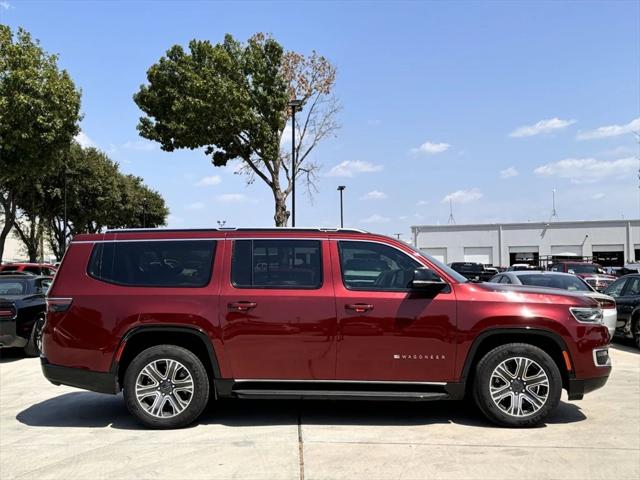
x=575 y=223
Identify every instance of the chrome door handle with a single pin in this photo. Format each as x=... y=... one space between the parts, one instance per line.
x=359 y=307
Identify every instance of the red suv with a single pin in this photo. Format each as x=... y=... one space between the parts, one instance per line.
x=173 y=317
x=45 y=269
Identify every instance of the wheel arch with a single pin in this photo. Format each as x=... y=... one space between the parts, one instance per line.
x=548 y=341
x=142 y=337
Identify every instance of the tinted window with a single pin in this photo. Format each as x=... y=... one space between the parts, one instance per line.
x=154 y=263
x=276 y=264
x=633 y=287
x=505 y=279
x=11 y=268
x=34 y=270
x=585 y=268
x=564 y=282
x=615 y=289
x=373 y=266
x=12 y=287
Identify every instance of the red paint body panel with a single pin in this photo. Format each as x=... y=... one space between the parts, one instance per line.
x=307 y=334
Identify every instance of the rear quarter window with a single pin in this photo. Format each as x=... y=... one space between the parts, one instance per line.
x=171 y=263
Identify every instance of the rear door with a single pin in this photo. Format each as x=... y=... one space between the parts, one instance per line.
x=277 y=310
x=386 y=332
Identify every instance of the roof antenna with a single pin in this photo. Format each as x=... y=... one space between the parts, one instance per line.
x=554 y=214
x=451 y=221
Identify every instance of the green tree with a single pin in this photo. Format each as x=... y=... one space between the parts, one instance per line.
x=39 y=114
x=232 y=100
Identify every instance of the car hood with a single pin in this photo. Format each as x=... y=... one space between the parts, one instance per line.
x=580 y=297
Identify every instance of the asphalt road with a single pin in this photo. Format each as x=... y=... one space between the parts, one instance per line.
x=64 y=433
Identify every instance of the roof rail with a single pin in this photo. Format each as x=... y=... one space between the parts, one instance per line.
x=235 y=229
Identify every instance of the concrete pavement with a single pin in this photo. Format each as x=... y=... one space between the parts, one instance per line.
x=65 y=433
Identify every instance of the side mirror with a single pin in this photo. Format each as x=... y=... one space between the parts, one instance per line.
x=424 y=278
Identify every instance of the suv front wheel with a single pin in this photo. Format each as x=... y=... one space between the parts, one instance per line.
x=166 y=386
x=517 y=385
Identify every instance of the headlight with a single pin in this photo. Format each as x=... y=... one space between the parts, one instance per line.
x=587 y=315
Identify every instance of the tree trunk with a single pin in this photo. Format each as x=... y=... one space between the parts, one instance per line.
x=31 y=238
x=9 y=208
x=281 y=216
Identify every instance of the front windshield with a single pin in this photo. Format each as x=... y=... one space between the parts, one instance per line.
x=445 y=268
x=564 y=282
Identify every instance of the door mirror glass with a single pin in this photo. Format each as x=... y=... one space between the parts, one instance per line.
x=425 y=278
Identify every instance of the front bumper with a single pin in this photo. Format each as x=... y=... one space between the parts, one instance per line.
x=8 y=334
x=102 y=382
x=577 y=388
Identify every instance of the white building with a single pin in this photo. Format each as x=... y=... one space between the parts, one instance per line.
x=608 y=242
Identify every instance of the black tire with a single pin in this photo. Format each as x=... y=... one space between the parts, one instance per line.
x=198 y=399
x=529 y=417
x=635 y=331
x=32 y=348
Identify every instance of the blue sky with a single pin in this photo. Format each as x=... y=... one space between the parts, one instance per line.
x=491 y=104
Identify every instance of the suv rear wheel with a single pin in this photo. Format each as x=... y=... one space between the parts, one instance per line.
x=517 y=385
x=166 y=386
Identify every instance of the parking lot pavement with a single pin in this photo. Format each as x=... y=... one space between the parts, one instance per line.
x=64 y=433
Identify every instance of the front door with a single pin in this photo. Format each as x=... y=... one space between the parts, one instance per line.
x=278 y=315
x=386 y=332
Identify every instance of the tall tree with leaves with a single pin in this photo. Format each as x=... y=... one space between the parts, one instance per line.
x=232 y=100
x=39 y=114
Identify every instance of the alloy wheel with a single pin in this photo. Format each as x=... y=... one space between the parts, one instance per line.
x=164 y=388
x=519 y=386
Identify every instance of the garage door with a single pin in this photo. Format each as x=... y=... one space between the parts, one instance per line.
x=437 y=253
x=566 y=250
x=479 y=255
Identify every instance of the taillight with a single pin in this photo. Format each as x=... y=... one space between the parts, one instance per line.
x=57 y=304
x=607 y=303
x=7 y=311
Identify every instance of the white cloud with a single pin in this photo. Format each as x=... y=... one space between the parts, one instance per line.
x=463 y=196
x=84 y=140
x=174 y=220
x=509 y=172
x=140 y=145
x=375 y=218
x=5 y=6
x=374 y=195
x=429 y=148
x=422 y=203
x=543 y=126
x=232 y=198
x=209 y=181
x=586 y=170
x=611 y=130
x=598 y=196
x=349 y=168
x=195 y=206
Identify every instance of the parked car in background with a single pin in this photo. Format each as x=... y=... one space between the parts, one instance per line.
x=22 y=311
x=173 y=316
x=490 y=270
x=626 y=292
x=517 y=267
x=472 y=271
x=595 y=274
x=564 y=281
x=33 y=268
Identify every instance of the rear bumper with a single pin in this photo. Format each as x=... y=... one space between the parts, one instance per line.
x=102 y=382
x=8 y=334
x=577 y=388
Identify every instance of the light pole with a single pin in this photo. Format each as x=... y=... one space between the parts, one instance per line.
x=341 y=189
x=221 y=223
x=144 y=212
x=65 y=222
x=295 y=105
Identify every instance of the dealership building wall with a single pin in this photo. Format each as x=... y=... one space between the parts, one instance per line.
x=610 y=242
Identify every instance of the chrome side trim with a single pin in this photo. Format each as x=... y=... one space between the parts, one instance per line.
x=370 y=382
x=208 y=239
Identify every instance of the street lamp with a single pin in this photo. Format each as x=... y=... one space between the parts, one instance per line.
x=341 y=189
x=296 y=106
x=144 y=212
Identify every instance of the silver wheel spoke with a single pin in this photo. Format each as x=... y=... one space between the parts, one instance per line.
x=514 y=392
x=164 y=395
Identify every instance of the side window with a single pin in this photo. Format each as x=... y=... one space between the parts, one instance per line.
x=633 y=287
x=374 y=266
x=496 y=279
x=171 y=263
x=43 y=285
x=34 y=270
x=505 y=279
x=276 y=264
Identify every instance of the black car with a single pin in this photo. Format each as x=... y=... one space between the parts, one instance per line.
x=626 y=291
x=473 y=271
x=22 y=311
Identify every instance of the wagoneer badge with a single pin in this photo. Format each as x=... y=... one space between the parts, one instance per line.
x=419 y=356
